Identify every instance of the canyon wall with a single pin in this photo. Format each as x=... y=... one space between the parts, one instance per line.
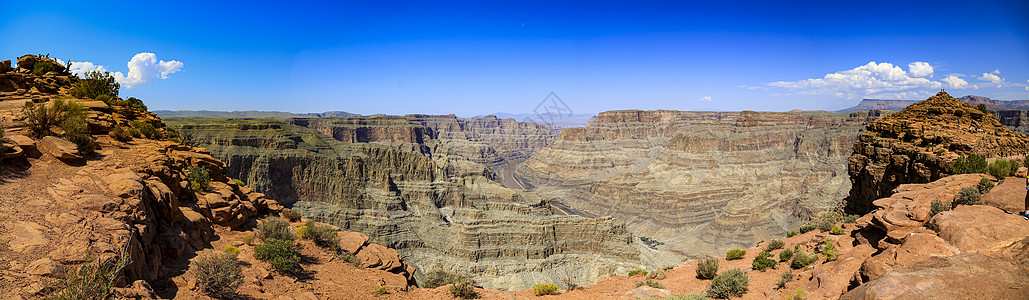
x=506 y=239
x=701 y=182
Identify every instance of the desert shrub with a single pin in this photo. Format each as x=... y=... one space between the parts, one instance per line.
x=1001 y=168
x=146 y=129
x=275 y=228
x=763 y=261
x=850 y=219
x=322 y=235
x=968 y=196
x=218 y=274
x=91 y=280
x=437 y=278
x=545 y=289
x=302 y=232
x=775 y=245
x=290 y=215
x=231 y=249
x=785 y=278
x=936 y=207
x=785 y=255
x=836 y=230
x=350 y=258
x=801 y=260
x=107 y=99
x=791 y=234
x=282 y=255
x=3 y=148
x=806 y=228
x=735 y=254
x=96 y=83
x=971 y=164
x=120 y=133
x=694 y=296
x=248 y=239
x=464 y=289
x=135 y=104
x=651 y=283
x=637 y=272
x=238 y=182
x=652 y=243
x=199 y=177
x=831 y=254
x=825 y=222
x=731 y=283
x=76 y=130
x=40 y=118
x=657 y=274
x=42 y=67
x=379 y=291
x=708 y=268
x=985 y=185
x=798 y=294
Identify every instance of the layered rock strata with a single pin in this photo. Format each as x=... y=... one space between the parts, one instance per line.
x=701 y=182
x=920 y=144
x=403 y=199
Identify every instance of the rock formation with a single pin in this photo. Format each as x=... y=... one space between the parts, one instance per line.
x=701 y=182
x=387 y=179
x=920 y=144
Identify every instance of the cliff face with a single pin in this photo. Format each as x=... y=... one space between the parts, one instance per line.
x=920 y=144
x=403 y=199
x=701 y=182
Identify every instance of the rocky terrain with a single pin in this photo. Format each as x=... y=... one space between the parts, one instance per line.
x=701 y=182
x=920 y=144
x=387 y=177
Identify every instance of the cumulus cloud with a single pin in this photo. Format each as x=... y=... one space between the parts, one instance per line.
x=706 y=99
x=143 y=67
x=920 y=69
x=993 y=78
x=955 y=82
x=878 y=80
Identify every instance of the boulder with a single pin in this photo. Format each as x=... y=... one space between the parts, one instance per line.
x=43 y=267
x=352 y=242
x=920 y=245
x=1009 y=196
x=5 y=66
x=375 y=256
x=948 y=277
x=26 y=144
x=27 y=61
x=833 y=278
x=909 y=207
x=60 y=148
x=979 y=228
x=125 y=183
x=646 y=292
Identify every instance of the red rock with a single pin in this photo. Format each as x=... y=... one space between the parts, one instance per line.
x=645 y=292
x=979 y=228
x=352 y=242
x=375 y=256
x=948 y=277
x=60 y=148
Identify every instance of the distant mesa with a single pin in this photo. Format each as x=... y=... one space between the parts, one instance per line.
x=251 y=114
x=896 y=105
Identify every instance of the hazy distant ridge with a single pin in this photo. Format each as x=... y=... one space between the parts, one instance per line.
x=252 y=114
x=896 y=105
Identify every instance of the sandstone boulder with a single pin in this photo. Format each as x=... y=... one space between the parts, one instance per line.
x=920 y=245
x=1009 y=196
x=909 y=207
x=26 y=144
x=375 y=256
x=60 y=148
x=834 y=278
x=948 y=277
x=125 y=183
x=5 y=66
x=646 y=292
x=352 y=242
x=979 y=228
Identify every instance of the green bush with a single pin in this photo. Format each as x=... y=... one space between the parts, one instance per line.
x=985 y=185
x=218 y=274
x=107 y=99
x=148 y=130
x=836 y=230
x=971 y=164
x=801 y=260
x=464 y=289
x=806 y=228
x=637 y=272
x=76 y=130
x=275 y=229
x=825 y=222
x=735 y=254
x=120 y=133
x=437 y=278
x=968 y=196
x=542 y=289
x=831 y=254
x=936 y=207
x=379 y=291
x=775 y=245
x=791 y=234
x=199 y=177
x=238 y=182
x=785 y=255
x=322 y=235
x=785 y=278
x=798 y=294
x=42 y=67
x=91 y=280
x=1001 y=168
x=731 y=283
x=40 y=118
x=350 y=258
x=96 y=84
x=135 y=104
x=248 y=239
x=708 y=268
x=281 y=254
x=651 y=283
x=763 y=261
x=290 y=215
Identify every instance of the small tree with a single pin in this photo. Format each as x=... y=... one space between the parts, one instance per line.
x=199 y=177
x=96 y=84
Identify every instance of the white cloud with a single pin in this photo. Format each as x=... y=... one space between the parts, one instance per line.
x=920 y=69
x=143 y=67
x=1027 y=85
x=706 y=99
x=81 y=67
x=954 y=82
x=993 y=78
x=876 y=80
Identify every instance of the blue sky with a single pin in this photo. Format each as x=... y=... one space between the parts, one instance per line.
x=476 y=58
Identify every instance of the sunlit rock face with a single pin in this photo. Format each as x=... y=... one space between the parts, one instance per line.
x=701 y=182
x=401 y=194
